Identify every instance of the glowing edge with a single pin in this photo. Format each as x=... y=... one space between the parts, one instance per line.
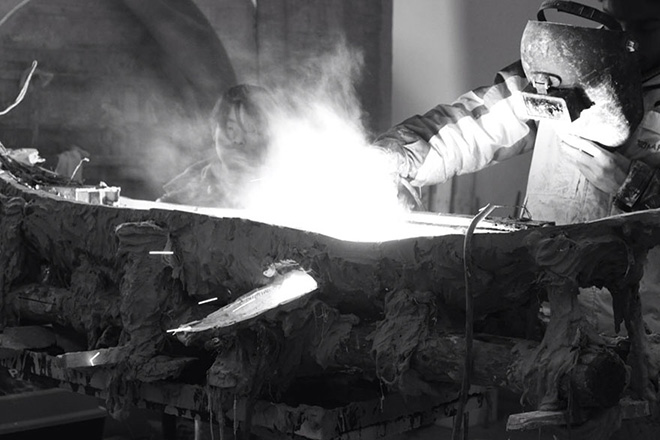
x=284 y=289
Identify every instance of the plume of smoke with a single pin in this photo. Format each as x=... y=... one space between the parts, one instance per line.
x=326 y=79
x=319 y=170
x=161 y=132
x=321 y=167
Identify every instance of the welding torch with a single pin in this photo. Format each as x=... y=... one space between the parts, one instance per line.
x=410 y=192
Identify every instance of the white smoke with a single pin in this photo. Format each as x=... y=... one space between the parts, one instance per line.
x=321 y=172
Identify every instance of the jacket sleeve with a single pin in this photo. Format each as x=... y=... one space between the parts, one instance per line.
x=184 y=187
x=482 y=127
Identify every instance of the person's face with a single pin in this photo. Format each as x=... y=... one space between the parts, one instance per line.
x=642 y=19
x=241 y=143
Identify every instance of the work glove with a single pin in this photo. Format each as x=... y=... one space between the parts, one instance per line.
x=408 y=151
x=635 y=185
x=397 y=156
x=606 y=170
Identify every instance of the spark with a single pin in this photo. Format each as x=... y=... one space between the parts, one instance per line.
x=291 y=286
x=208 y=300
x=91 y=360
x=161 y=253
x=186 y=328
x=244 y=304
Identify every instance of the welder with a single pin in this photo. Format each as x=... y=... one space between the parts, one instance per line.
x=240 y=134
x=594 y=160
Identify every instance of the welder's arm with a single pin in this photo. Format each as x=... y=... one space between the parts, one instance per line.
x=482 y=127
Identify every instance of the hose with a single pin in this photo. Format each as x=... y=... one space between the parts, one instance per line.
x=13 y=11
x=469 y=318
x=21 y=95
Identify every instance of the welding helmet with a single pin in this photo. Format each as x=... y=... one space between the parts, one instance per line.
x=587 y=77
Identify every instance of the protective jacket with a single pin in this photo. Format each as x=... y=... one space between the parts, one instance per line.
x=489 y=125
x=198 y=185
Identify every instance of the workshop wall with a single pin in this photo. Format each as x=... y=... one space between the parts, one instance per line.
x=98 y=86
x=286 y=44
x=107 y=84
x=493 y=30
x=295 y=33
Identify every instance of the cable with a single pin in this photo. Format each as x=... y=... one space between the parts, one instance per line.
x=13 y=11
x=469 y=317
x=21 y=95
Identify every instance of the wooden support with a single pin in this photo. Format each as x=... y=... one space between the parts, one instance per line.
x=382 y=415
x=527 y=421
x=88 y=359
x=410 y=291
x=30 y=337
x=178 y=399
x=536 y=419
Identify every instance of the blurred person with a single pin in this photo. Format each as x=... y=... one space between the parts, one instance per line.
x=239 y=122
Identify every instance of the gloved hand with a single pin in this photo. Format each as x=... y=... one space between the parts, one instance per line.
x=605 y=170
x=409 y=196
x=396 y=154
